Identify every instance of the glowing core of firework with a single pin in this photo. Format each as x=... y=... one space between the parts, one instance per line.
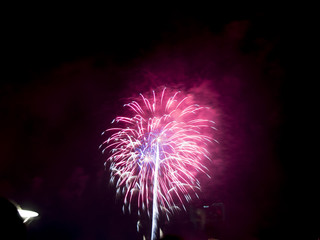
x=156 y=153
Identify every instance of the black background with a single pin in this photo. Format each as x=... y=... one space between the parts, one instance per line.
x=64 y=69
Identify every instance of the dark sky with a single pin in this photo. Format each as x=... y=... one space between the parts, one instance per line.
x=67 y=70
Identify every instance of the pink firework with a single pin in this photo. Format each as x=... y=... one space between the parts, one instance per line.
x=157 y=152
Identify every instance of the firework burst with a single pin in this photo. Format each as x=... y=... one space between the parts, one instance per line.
x=156 y=153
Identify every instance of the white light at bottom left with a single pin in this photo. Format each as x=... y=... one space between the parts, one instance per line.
x=27 y=214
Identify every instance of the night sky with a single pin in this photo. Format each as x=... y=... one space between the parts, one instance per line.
x=68 y=70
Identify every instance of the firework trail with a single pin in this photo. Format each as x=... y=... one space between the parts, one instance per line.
x=156 y=153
